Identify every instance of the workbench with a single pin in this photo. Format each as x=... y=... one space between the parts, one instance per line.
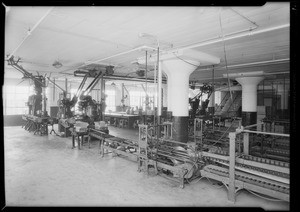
x=115 y=118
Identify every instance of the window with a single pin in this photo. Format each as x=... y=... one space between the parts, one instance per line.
x=138 y=98
x=110 y=100
x=14 y=99
x=135 y=98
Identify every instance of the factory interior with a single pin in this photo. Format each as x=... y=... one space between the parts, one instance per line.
x=147 y=106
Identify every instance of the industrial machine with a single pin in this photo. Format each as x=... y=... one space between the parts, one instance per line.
x=65 y=115
x=81 y=107
x=37 y=117
x=87 y=109
x=227 y=159
x=195 y=101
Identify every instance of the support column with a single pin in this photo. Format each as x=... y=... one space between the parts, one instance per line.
x=165 y=96
x=178 y=65
x=178 y=89
x=249 y=99
x=231 y=184
x=169 y=85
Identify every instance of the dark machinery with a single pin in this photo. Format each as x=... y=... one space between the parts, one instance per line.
x=64 y=103
x=37 y=117
x=36 y=105
x=195 y=101
x=65 y=114
x=234 y=168
x=90 y=110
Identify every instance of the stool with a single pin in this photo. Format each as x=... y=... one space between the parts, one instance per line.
x=125 y=123
x=121 y=123
x=51 y=122
x=79 y=141
x=115 y=122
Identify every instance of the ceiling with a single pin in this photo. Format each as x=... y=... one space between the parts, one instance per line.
x=245 y=39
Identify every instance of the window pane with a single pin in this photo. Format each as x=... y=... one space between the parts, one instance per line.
x=10 y=89
x=15 y=98
x=21 y=89
x=110 y=100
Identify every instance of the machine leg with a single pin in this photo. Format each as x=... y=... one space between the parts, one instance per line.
x=181 y=182
x=246 y=143
x=146 y=166
x=139 y=165
x=155 y=168
x=89 y=139
x=78 y=142
x=26 y=125
x=73 y=141
x=101 y=148
x=231 y=187
x=36 y=129
x=101 y=143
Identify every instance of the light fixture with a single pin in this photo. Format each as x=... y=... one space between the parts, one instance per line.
x=57 y=64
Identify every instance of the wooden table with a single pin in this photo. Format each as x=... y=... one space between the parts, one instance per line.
x=78 y=135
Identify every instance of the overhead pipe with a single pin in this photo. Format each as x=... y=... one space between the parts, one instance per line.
x=118 y=77
x=202 y=43
x=30 y=32
x=248 y=64
x=265 y=74
x=119 y=54
x=229 y=37
x=261 y=63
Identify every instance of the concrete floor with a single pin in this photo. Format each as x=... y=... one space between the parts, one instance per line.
x=46 y=171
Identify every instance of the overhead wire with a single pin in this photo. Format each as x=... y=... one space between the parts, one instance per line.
x=225 y=57
x=185 y=61
x=244 y=17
